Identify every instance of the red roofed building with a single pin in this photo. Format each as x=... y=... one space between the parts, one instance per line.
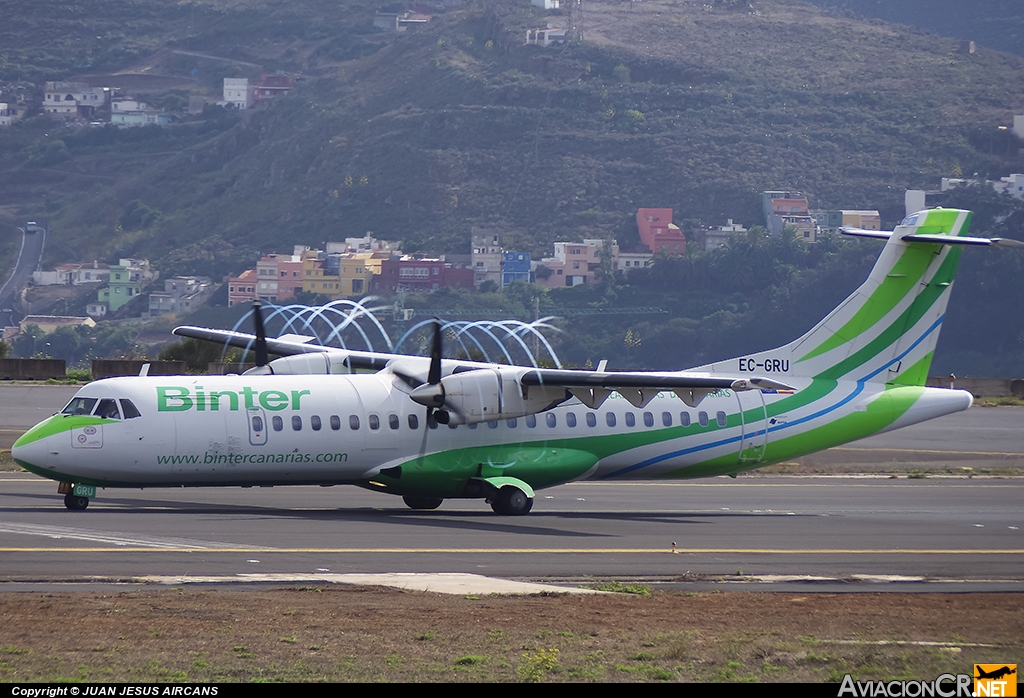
x=271 y=86
x=420 y=275
x=658 y=232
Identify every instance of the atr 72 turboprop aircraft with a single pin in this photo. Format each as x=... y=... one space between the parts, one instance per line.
x=499 y=432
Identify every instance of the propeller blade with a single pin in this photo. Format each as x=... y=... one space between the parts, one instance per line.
x=434 y=376
x=262 y=358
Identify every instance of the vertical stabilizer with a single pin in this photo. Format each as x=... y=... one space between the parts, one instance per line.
x=886 y=331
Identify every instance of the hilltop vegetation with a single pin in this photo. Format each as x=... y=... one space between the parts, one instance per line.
x=418 y=137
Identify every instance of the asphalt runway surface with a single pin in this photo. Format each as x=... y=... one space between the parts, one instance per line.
x=836 y=532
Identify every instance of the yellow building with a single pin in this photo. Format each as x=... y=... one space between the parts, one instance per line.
x=339 y=276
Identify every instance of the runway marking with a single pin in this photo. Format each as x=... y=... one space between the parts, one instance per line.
x=121 y=541
x=525 y=551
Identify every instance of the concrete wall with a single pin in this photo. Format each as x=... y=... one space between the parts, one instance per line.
x=981 y=387
x=107 y=368
x=32 y=369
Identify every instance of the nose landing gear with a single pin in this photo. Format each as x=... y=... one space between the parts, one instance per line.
x=75 y=502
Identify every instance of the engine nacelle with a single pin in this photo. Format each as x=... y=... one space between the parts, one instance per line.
x=487 y=394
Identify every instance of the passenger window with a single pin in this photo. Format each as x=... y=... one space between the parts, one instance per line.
x=431 y=421
x=551 y=419
x=335 y=422
x=666 y=419
x=108 y=409
x=128 y=409
x=609 y=418
x=531 y=420
x=414 y=422
x=630 y=419
x=492 y=425
x=257 y=423
x=720 y=418
x=684 y=419
x=648 y=419
x=296 y=423
x=80 y=405
x=570 y=419
x=315 y=422
x=353 y=422
x=591 y=419
x=374 y=422
x=512 y=423
x=702 y=417
x=393 y=421
x=277 y=423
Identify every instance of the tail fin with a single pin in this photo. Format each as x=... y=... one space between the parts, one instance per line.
x=886 y=331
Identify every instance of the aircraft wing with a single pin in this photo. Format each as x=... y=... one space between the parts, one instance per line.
x=592 y=388
x=640 y=387
x=289 y=345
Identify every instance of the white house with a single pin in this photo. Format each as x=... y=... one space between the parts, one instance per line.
x=237 y=93
x=73 y=99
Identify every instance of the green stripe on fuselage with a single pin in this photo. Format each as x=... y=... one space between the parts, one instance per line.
x=898 y=283
x=60 y=423
x=907 y=319
x=879 y=413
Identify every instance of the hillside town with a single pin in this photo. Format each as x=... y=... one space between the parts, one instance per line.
x=367 y=265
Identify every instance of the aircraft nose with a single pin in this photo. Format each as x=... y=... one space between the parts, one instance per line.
x=31 y=449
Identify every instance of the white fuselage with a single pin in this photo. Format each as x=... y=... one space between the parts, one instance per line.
x=335 y=429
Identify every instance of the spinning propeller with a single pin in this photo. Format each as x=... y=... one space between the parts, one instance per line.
x=262 y=359
x=431 y=393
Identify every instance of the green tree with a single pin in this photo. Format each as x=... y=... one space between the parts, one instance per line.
x=197 y=354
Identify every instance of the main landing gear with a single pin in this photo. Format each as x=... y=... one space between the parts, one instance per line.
x=422 y=503
x=511 y=501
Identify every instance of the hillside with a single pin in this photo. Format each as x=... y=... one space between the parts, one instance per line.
x=440 y=130
x=418 y=137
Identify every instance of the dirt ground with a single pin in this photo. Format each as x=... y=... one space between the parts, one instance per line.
x=372 y=634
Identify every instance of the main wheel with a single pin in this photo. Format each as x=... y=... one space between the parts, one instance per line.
x=76 y=503
x=512 y=501
x=422 y=503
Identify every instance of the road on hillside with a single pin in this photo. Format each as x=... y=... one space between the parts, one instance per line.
x=29 y=259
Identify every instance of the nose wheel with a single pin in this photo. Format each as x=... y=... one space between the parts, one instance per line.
x=76 y=503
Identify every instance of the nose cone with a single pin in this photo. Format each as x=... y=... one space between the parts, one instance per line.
x=31 y=450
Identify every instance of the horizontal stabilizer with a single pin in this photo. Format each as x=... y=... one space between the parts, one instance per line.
x=861 y=233
x=934 y=239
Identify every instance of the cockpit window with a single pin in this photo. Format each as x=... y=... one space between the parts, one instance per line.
x=129 y=410
x=108 y=409
x=80 y=405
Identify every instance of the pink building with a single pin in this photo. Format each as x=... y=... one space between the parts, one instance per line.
x=242 y=288
x=279 y=276
x=658 y=232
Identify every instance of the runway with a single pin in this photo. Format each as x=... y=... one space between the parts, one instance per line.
x=935 y=531
x=837 y=532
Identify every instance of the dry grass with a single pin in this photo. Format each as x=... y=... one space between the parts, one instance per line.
x=368 y=634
